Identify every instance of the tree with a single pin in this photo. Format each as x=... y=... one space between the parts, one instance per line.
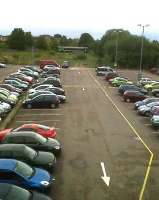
x=17 y=39
x=86 y=40
x=28 y=39
x=41 y=43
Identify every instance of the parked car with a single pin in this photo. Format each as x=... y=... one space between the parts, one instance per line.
x=155 y=92
x=101 y=71
x=13 y=192
x=133 y=96
x=28 y=155
x=17 y=79
x=22 y=77
x=5 y=99
x=24 y=69
x=125 y=87
x=155 y=121
x=16 y=84
x=145 y=110
x=33 y=140
x=145 y=81
x=51 y=71
x=152 y=86
x=42 y=101
x=154 y=111
x=33 y=68
x=48 y=87
x=65 y=64
x=145 y=102
x=29 y=73
x=111 y=75
x=11 y=88
x=19 y=173
x=116 y=82
x=43 y=130
x=43 y=63
x=61 y=98
x=49 y=80
x=45 y=75
x=2 y=65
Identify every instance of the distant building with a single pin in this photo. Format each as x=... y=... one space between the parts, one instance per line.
x=3 y=38
x=72 y=49
x=47 y=37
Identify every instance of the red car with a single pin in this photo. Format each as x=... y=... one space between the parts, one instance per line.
x=45 y=131
x=133 y=96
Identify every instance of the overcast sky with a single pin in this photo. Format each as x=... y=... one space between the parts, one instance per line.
x=72 y=17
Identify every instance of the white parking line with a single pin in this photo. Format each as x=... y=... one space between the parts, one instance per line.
x=147 y=124
x=28 y=121
x=58 y=109
x=42 y=114
x=155 y=132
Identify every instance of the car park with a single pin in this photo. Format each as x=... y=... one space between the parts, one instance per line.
x=42 y=101
x=19 y=173
x=145 y=110
x=28 y=155
x=13 y=192
x=133 y=96
x=33 y=140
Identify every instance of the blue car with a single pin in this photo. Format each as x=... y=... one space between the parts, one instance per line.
x=19 y=173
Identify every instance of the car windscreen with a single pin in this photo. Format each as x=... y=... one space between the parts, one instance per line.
x=18 y=193
x=30 y=153
x=25 y=170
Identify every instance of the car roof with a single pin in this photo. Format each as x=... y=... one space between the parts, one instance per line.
x=7 y=164
x=19 y=147
x=4 y=189
x=23 y=133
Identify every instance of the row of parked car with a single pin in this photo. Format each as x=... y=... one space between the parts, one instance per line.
x=14 y=85
x=27 y=159
x=144 y=93
x=28 y=153
x=47 y=91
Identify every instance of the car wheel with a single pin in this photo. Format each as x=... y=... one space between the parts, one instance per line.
x=127 y=100
x=29 y=106
x=147 y=114
x=52 y=105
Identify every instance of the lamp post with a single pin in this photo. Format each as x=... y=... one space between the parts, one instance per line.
x=116 y=47
x=142 y=45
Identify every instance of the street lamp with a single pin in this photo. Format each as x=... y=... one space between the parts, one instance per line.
x=142 y=45
x=116 y=47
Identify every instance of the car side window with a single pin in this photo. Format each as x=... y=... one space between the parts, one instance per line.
x=5 y=154
x=18 y=139
x=29 y=140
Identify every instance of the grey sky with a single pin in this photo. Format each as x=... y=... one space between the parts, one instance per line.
x=72 y=17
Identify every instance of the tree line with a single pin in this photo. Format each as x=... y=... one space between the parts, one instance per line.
x=129 y=46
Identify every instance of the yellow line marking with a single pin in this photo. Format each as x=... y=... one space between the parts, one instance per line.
x=136 y=133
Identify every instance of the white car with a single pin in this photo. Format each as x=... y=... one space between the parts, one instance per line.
x=3 y=65
x=144 y=81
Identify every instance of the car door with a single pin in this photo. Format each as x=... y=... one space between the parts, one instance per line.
x=38 y=101
x=33 y=143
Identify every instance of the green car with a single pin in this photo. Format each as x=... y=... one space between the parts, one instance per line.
x=116 y=82
x=155 y=121
x=152 y=86
x=26 y=154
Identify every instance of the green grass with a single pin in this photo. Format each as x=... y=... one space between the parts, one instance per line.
x=26 y=57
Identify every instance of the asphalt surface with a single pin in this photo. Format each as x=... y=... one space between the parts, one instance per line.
x=95 y=126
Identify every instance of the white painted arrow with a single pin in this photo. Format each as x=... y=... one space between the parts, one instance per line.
x=105 y=178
